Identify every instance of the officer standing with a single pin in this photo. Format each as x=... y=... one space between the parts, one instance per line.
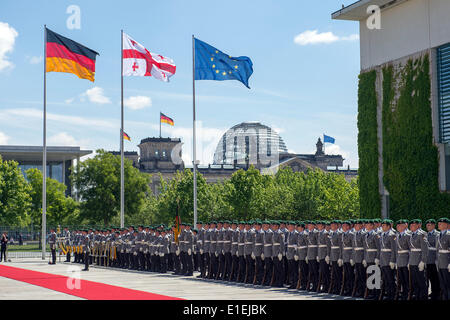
x=52 y=243
x=68 y=243
x=241 y=252
x=249 y=248
x=323 y=257
x=347 y=254
x=335 y=258
x=357 y=259
x=85 y=245
x=292 y=256
x=213 y=255
x=432 y=272
x=371 y=254
x=219 y=250
x=443 y=261
x=234 y=251
x=312 y=258
x=278 y=253
x=388 y=259
x=267 y=253
x=206 y=246
x=403 y=237
x=227 y=239
x=301 y=255
x=200 y=242
x=417 y=260
x=258 y=254
x=189 y=247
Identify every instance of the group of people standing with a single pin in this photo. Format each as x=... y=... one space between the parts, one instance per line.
x=360 y=258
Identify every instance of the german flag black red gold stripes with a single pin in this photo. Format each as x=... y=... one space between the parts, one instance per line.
x=65 y=55
x=166 y=119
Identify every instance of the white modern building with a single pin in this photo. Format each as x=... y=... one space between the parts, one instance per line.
x=393 y=32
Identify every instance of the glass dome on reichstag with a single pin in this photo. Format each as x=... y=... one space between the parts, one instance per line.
x=248 y=141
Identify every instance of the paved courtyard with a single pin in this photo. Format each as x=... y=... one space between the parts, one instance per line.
x=164 y=284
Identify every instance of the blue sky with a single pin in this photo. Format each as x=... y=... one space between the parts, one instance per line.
x=304 y=82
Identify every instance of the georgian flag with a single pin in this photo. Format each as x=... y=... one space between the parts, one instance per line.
x=138 y=61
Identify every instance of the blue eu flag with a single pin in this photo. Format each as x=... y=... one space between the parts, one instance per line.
x=328 y=139
x=213 y=64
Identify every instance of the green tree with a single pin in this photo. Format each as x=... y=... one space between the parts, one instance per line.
x=60 y=209
x=15 y=200
x=98 y=183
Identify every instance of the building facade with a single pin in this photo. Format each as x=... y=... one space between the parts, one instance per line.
x=405 y=63
x=59 y=160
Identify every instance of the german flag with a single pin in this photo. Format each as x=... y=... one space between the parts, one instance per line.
x=126 y=137
x=165 y=119
x=65 y=55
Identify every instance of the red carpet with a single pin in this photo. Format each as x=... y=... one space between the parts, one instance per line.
x=88 y=289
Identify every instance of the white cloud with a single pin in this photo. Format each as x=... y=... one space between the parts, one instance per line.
x=334 y=149
x=3 y=138
x=137 y=102
x=69 y=101
x=7 y=39
x=35 y=59
x=96 y=95
x=62 y=139
x=314 y=37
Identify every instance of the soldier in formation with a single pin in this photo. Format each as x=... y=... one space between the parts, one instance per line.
x=336 y=257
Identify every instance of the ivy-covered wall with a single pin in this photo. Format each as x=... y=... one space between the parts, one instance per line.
x=369 y=198
x=410 y=159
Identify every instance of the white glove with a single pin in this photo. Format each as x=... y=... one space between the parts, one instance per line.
x=352 y=263
x=262 y=256
x=223 y=251
x=189 y=251
x=377 y=261
x=121 y=251
x=135 y=253
x=140 y=249
x=392 y=265
x=253 y=256
x=317 y=258
x=448 y=267
x=296 y=257
x=340 y=262
x=161 y=254
x=280 y=256
x=364 y=263
x=421 y=266
x=306 y=260
x=327 y=259
x=237 y=253
x=201 y=251
x=177 y=252
x=216 y=254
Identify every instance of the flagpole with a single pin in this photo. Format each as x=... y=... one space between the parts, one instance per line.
x=44 y=153
x=193 y=131
x=160 y=124
x=122 y=193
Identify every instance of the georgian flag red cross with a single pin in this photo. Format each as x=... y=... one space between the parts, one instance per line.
x=138 y=61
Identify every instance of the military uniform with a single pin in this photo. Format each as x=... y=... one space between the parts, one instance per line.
x=292 y=258
x=213 y=254
x=189 y=247
x=220 y=253
x=278 y=253
x=249 y=247
x=312 y=260
x=443 y=261
x=402 y=264
x=432 y=272
x=302 y=253
x=418 y=246
x=241 y=254
x=67 y=243
x=52 y=243
x=336 y=261
x=388 y=259
x=371 y=257
x=234 y=254
x=347 y=255
x=323 y=256
x=258 y=256
x=206 y=255
x=227 y=243
x=86 y=248
x=268 y=255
